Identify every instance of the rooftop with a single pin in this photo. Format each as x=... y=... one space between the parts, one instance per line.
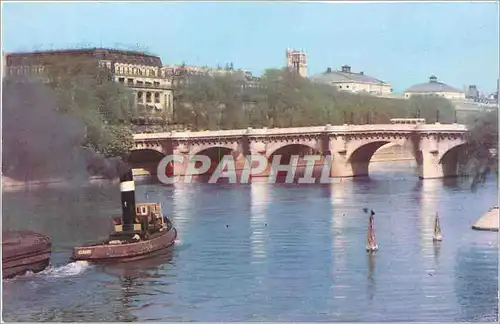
x=345 y=75
x=125 y=56
x=432 y=86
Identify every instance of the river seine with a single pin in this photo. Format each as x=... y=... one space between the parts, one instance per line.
x=269 y=252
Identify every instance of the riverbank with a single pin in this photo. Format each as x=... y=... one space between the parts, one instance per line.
x=9 y=184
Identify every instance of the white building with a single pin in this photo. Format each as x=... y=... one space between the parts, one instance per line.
x=346 y=80
x=435 y=88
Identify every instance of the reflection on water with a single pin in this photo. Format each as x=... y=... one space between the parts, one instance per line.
x=258 y=221
x=437 y=250
x=371 y=285
x=265 y=252
x=429 y=201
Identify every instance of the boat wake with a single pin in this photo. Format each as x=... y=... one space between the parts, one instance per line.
x=181 y=245
x=68 y=270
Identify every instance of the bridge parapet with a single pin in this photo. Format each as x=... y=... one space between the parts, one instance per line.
x=403 y=128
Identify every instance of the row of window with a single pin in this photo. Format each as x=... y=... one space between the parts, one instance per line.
x=149 y=99
x=130 y=82
x=140 y=97
x=119 y=69
x=354 y=89
x=19 y=70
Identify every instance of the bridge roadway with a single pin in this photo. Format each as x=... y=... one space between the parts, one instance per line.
x=435 y=146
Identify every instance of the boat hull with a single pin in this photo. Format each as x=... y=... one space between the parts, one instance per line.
x=24 y=251
x=127 y=251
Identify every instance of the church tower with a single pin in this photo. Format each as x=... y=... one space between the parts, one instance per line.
x=297 y=61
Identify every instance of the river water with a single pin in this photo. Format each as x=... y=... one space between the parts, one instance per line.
x=269 y=252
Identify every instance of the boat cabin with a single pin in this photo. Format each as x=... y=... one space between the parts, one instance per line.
x=148 y=216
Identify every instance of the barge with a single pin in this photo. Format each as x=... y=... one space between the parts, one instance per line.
x=24 y=251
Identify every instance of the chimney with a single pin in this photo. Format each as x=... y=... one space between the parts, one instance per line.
x=433 y=78
x=329 y=70
x=362 y=73
x=346 y=69
x=127 y=188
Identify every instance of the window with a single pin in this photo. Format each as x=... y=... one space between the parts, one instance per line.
x=156 y=83
x=148 y=97
x=157 y=97
x=121 y=80
x=139 y=83
x=148 y=83
x=347 y=86
x=130 y=81
x=139 y=96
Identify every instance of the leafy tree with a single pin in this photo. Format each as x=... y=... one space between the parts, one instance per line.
x=428 y=106
x=481 y=153
x=88 y=92
x=285 y=99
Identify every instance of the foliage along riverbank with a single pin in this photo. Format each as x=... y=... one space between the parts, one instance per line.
x=284 y=99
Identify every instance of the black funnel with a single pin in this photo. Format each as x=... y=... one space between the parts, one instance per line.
x=127 y=188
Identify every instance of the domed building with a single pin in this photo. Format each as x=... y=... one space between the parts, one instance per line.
x=435 y=88
x=346 y=80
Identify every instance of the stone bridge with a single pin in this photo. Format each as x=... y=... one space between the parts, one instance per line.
x=350 y=147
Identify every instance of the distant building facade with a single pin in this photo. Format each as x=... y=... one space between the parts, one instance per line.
x=143 y=73
x=435 y=88
x=297 y=61
x=346 y=80
x=472 y=93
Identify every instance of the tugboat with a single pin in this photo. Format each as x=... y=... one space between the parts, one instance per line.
x=438 y=236
x=140 y=233
x=24 y=251
x=371 y=242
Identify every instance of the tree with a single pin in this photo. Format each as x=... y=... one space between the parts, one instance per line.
x=481 y=150
x=285 y=99
x=88 y=92
x=428 y=107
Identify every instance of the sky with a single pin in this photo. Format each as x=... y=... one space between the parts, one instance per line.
x=400 y=43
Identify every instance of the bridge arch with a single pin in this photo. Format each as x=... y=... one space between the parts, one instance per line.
x=145 y=159
x=361 y=157
x=364 y=153
x=450 y=160
x=288 y=149
x=291 y=148
x=215 y=154
x=285 y=153
x=203 y=150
